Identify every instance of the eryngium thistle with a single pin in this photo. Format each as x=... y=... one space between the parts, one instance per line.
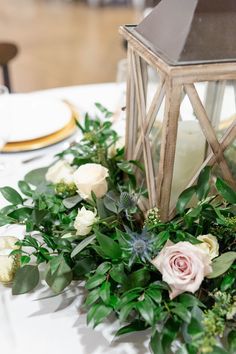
x=139 y=245
x=127 y=201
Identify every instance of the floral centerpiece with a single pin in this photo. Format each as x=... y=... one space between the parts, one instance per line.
x=83 y=219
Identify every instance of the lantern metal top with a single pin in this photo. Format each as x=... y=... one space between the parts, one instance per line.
x=183 y=32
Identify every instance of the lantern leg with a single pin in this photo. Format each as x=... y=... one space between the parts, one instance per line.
x=168 y=146
x=131 y=110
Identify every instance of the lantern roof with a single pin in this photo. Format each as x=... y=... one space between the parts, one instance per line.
x=185 y=32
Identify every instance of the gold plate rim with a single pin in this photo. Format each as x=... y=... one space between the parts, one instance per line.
x=44 y=141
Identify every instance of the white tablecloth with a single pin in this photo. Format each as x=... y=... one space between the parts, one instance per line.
x=56 y=325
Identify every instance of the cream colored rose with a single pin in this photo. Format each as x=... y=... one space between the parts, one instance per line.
x=13 y=229
x=209 y=244
x=61 y=171
x=91 y=177
x=84 y=221
x=8 y=264
x=183 y=267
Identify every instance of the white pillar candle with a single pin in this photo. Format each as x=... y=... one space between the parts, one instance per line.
x=189 y=155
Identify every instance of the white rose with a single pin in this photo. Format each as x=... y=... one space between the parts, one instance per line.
x=8 y=264
x=91 y=177
x=61 y=171
x=209 y=244
x=84 y=221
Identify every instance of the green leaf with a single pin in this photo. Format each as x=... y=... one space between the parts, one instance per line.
x=95 y=281
x=155 y=294
x=54 y=263
x=227 y=282
x=24 y=260
x=134 y=326
x=83 y=266
x=92 y=297
x=226 y=191
x=61 y=278
x=21 y=214
x=218 y=350
x=36 y=177
x=83 y=244
x=182 y=313
x=102 y=213
x=182 y=350
x=146 y=310
x=110 y=204
x=203 y=183
x=105 y=292
x=26 y=279
x=155 y=344
x=71 y=202
x=103 y=268
x=161 y=238
x=117 y=273
x=138 y=278
x=195 y=328
x=11 y=195
x=184 y=199
x=232 y=341
x=110 y=248
x=25 y=188
x=221 y=264
x=126 y=167
x=188 y=300
x=125 y=311
x=98 y=313
x=4 y=220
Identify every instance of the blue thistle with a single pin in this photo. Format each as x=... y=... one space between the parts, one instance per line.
x=139 y=245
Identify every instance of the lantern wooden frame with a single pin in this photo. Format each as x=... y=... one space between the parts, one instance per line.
x=174 y=80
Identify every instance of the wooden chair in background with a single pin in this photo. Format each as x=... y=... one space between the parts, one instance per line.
x=8 y=51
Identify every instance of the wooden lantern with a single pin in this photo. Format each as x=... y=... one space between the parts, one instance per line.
x=187 y=42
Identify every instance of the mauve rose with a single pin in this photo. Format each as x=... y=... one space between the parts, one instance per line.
x=183 y=267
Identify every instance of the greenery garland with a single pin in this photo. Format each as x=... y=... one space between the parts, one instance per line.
x=101 y=236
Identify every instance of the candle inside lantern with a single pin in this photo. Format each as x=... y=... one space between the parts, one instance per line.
x=189 y=155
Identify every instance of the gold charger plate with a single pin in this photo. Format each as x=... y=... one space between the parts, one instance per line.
x=44 y=141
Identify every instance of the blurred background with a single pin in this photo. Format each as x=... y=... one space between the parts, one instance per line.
x=65 y=42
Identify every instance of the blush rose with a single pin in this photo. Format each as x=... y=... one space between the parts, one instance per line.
x=183 y=267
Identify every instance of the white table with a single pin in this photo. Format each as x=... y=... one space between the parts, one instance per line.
x=56 y=325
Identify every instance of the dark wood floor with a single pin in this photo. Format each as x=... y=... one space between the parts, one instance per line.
x=62 y=42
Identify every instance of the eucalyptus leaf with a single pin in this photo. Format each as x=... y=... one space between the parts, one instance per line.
x=83 y=244
x=61 y=278
x=37 y=176
x=25 y=188
x=26 y=279
x=11 y=195
x=71 y=202
x=221 y=264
